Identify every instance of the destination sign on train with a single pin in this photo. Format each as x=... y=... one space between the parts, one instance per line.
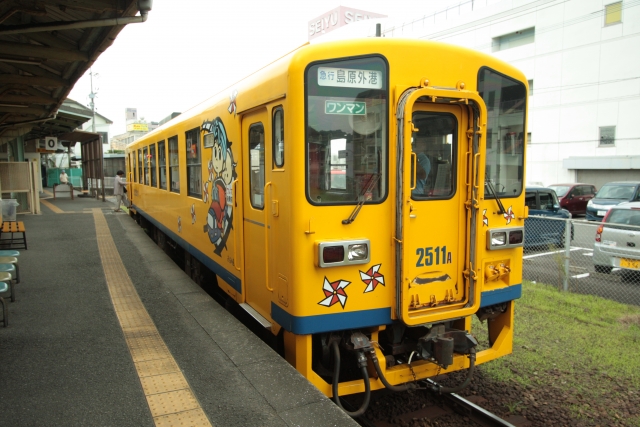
x=351 y=108
x=347 y=77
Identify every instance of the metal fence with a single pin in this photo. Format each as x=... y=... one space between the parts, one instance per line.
x=560 y=252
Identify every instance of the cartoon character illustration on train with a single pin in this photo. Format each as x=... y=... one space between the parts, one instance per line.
x=221 y=168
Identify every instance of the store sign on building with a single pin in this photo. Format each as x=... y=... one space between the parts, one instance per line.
x=337 y=18
x=138 y=127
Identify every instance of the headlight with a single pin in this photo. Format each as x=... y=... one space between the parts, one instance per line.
x=590 y=203
x=358 y=252
x=498 y=239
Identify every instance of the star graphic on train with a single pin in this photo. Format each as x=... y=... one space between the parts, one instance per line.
x=334 y=292
x=372 y=278
x=509 y=215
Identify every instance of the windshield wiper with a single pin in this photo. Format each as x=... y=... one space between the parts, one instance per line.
x=372 y=182
x=490 y=185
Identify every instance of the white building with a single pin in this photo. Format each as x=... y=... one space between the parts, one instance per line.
x=582 y=59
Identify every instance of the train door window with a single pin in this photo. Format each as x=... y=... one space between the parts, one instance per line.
x=152 y=165
x=435 y=146
x=174 y=165
x=162 y=164
x=278 y=137
x=194 y=164
x=145 y=177
x=256 y=164
x=140 y=166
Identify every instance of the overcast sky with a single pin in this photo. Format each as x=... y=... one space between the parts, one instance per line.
x=189 y=50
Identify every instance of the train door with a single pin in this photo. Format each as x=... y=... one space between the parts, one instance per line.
x=256 y=174
x=131 y=168
x=435 y=222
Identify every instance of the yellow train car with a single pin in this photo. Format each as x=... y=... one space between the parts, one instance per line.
x=362 y=199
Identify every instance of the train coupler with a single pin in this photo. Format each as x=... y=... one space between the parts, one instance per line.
x=440 y=344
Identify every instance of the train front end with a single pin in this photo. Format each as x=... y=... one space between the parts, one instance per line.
x=413 y=215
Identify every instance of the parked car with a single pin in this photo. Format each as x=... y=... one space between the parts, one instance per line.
x=618 y=239
x=574 y=197
x=544 y=226
x=611 y=194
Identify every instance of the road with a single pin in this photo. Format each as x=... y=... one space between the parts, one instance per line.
x=547 y=266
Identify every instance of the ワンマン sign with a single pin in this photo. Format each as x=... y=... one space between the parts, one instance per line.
x=336 y=18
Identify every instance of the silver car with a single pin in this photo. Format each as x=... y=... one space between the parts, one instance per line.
x=617 y=242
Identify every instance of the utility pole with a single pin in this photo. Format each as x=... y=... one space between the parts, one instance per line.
x=92 y=96
x=100 y=172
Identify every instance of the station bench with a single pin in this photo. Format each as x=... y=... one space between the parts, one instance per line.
x=7 y=232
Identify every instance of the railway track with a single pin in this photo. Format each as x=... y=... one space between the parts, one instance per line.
x=442 y=410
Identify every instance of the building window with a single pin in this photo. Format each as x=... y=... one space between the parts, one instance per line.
x=528 y=138
x=104 y=136
x=162 y=164
x=174 y=165
x=607 y=135
x=530 y=86
x=194 y=166
x=512 y=40
x=613 y=13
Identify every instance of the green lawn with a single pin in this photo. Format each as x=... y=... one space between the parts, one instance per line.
x=582 y=344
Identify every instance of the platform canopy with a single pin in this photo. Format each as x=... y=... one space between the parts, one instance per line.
x=45 y=47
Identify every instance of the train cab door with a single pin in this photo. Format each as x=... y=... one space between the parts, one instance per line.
x=434 y=222
x=256 y=175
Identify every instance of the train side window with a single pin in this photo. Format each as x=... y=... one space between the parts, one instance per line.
x=174 y=165
x=256 y=164
x=136 y=166
x=278 y=137
x=145 y=166
x=140 y=166
x=194 y=163
x=162 y=164
x=152 y=165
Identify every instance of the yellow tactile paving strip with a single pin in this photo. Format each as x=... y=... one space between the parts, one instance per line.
x=170 y=399
x=51 y=206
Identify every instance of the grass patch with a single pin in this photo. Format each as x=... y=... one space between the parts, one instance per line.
x=580 y=344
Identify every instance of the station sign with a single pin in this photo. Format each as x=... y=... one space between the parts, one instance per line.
x=336 y=18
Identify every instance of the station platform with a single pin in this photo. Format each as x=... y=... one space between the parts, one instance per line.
x=107 y=331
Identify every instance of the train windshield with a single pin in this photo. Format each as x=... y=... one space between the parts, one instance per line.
x=346 y=131
x=506 y=101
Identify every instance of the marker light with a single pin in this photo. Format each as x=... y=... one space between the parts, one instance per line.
x=332 y=254
x=516 y=237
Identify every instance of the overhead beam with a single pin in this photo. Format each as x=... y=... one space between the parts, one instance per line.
x=21 y=49
x=26 y=111
x=32 y=80
x=26 y=99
